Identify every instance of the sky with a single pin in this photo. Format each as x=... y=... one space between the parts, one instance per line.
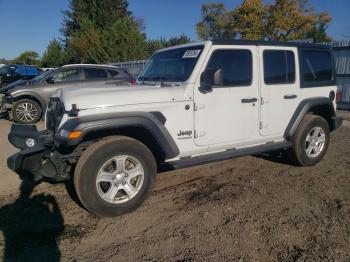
x=32 y=24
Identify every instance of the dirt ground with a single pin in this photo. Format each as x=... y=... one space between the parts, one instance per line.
x=256 y=208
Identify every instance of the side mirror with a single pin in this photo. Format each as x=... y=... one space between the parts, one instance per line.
x=211 y=77
x=50 y=80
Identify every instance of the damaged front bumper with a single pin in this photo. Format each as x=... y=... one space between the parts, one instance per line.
x=6 y=107
x=38 y=157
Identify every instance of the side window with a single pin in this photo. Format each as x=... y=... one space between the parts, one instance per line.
x=317 y=66
x=95 y=73
x=235 y=64
x=67 y=75
x=279 y=67
x=113 y=73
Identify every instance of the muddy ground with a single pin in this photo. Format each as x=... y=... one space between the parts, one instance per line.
x=256 y=208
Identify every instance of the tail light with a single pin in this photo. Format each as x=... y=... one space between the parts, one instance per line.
x=133 y=81
x=338 y=97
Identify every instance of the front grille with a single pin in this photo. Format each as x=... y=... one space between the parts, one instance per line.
x=54 y=114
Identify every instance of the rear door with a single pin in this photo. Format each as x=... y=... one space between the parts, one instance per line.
x=280 y=87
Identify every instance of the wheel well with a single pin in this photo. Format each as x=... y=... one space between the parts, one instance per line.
x=323 y=111
x=29 y=97
x=138 y=133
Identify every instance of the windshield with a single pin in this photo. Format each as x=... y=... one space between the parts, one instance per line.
x=42 y=76
x=174 y=65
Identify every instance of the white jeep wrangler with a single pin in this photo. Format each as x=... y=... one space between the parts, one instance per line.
x=195 y=104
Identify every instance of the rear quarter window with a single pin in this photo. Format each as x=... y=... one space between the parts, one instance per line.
x=95 y=73
x=317 y=68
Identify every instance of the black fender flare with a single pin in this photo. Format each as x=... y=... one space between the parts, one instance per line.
x=153 y=122
x=31 y=94
x=303 y=109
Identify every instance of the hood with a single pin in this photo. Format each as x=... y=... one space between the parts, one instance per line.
x=20 y=82
x=88 y=98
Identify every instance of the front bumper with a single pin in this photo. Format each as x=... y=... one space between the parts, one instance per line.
x=37 y=158
x=6 y=107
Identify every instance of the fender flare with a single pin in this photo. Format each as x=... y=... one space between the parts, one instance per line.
x=303 y=109
x=30 y=94
x=152 y=122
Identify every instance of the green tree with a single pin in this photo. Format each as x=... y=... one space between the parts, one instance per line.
x=105 y=31
x=216 y=22
x=27 y=58
x=156 y=44
x=281 y=20
x=101 y=13
x=54 y=55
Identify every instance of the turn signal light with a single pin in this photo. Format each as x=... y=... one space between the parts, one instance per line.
x=71 y=135
x=74 y=134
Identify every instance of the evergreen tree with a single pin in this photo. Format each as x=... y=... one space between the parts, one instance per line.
x=102 y=31
x=102 y=13
x=54 y=55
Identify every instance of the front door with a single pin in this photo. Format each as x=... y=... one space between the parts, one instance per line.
x=229 y=114
x=279 y=89
x=66 y=77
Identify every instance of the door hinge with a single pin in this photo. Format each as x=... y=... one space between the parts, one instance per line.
x=198 y=106
x=198 y=133
x=261 y=125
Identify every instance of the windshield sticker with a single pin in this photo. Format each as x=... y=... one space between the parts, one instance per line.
x=191 y=54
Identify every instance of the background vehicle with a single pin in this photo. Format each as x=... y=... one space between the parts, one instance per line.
x=197 y=103
x=12 y=73
x=26 y=100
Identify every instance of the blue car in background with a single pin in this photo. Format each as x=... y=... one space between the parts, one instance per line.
x=12 y=73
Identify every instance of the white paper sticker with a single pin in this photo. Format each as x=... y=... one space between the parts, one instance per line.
x=191 y=54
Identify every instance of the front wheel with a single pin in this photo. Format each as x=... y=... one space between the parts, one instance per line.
x=114 y=176
x=311 y=141
x=26 y=111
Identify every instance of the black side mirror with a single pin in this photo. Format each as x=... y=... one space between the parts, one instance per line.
x=210 y=78
x=50 y=80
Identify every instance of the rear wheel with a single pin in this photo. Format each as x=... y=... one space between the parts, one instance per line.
x=311 y=141
x=114 y=176
x=26 y=111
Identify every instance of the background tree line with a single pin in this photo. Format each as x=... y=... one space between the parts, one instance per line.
x=105 y=31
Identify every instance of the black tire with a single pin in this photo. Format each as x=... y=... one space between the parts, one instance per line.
x=94 y=158
x=35 y=113
x=298 y=153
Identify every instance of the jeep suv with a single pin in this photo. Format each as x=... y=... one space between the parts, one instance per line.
x=197 y=103
x=25 y=101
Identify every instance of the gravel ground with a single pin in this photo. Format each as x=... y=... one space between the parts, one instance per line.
x=256 y=208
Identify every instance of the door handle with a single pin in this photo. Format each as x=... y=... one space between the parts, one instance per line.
x=290 y=96
x=249 y=100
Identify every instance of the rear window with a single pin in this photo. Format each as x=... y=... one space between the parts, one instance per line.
x=95 y=73
x=279 y=67
x=317 y=66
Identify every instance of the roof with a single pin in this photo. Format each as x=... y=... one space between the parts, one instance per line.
x=89 y=65
x=266 y=43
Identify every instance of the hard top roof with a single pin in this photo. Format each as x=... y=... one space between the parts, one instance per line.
x=266 y=43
